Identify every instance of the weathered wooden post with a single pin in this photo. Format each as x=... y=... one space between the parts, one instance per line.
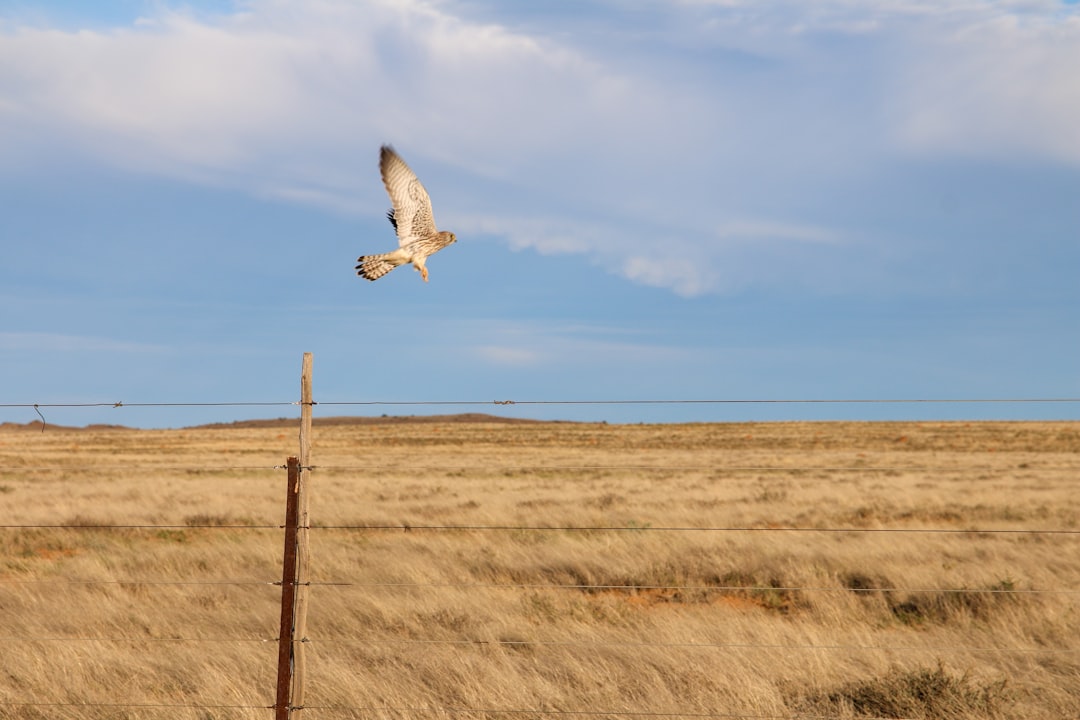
x=303 y=554
x=294 y=574
x=283 y=703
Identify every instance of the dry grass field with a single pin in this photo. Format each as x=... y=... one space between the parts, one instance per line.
x=528 y=570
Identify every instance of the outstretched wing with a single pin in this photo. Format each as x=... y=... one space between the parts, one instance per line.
x=411 y=216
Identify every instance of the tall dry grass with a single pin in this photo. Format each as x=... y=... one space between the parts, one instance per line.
x=702 y=601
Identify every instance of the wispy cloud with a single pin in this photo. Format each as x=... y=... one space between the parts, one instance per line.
x=546 y=235
x=553 y=345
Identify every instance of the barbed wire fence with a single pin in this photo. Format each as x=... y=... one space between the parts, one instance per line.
x=294 y=584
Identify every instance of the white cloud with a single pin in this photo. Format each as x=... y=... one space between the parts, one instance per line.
x=560 y=142
x=231 y=92
x=685 y=276
x=981 y=78
x=1003 y=86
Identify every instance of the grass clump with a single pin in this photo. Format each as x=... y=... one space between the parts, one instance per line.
x=951 y=605
x=940 y=607
x=919 y=694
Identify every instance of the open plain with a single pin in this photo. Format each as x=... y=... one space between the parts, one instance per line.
x=464 y=567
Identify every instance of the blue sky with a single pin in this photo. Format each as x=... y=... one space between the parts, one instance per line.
x=705 y=199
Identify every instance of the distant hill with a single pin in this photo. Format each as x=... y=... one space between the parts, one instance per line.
x=35 y=425
x=381 y=420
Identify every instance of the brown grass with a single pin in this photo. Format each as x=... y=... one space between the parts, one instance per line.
x=667 y=614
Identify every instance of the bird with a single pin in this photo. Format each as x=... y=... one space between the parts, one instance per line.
x=411 y=217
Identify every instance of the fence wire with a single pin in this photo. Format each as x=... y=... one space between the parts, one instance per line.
x=408 y=527
x=412 y=711
x=578 y=587
x=574 y=644
x=638 y=401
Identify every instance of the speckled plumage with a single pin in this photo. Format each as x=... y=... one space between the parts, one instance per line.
x=411 y=217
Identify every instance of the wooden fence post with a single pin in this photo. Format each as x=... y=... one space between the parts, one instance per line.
x=283 y=703
x=303 y=553
x=294 y=573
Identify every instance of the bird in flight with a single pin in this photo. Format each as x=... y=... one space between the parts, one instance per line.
x=411 y=217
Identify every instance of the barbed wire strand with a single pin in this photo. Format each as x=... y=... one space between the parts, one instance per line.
x=725 y=401
x=702 y=646
x=675 y=467
x=692 y=588
x=121 y=404
x=187 y=706
x=413 y=710
x=405 y=527
x=715 y=401
x=579 y=644
x=599 y=587
x=111 y=465
x=553 y=586
x=402 y=527
x=106 y=467
x=131 y=639
x=146 y=583
x=110 y=526
x=492 y=469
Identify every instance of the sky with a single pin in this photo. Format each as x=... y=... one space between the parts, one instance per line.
x=693 y=200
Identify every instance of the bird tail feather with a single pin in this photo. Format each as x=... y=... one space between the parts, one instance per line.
x=373 y=267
